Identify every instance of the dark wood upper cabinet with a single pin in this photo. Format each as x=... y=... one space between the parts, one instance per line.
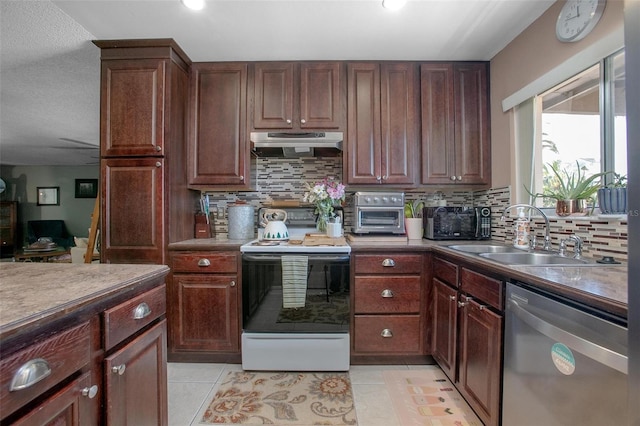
x=455 y=123
x=218 y=148
x=132 y=107
x=382 y=113
x=298 y=96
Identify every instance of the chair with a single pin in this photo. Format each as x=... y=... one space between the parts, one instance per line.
x=54 y=229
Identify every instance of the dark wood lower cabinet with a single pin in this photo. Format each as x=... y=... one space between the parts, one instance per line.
x=135 y=380
x=468 y=323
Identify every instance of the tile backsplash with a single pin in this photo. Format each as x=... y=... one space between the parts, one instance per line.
x=284 y=178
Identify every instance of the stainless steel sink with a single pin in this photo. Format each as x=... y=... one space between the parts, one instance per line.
x=485 y=248
x=536 y=259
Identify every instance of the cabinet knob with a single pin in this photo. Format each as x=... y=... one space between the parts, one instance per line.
x=158 y=164
x=378 y=178
x=158 y=148
x=288 y=121
x=204 y=262
x=386 y=293
x=388 y=263
x=119 y=369
x=232 y=284
x=241 y=178
x=452 y=297
x=386 y=333
x=141 y=311
x=90 y=392
x=459 y=178
x=452 y=178
x=303 y=121
x=385 y=177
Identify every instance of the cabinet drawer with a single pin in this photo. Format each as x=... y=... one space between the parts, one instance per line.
x=221 y=262
x=445 y=271
x=485 y=289
x=388 y=264
x=126 y=319
x=403 y=333
x=380 y=295
x=61 y=355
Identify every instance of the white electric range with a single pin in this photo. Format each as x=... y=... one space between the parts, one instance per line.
x=295 y=301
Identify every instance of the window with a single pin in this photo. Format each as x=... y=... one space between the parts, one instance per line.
x=583 y=124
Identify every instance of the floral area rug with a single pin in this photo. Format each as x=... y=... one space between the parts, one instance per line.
x=427 y=398
x=274 y=398
x=318 y=311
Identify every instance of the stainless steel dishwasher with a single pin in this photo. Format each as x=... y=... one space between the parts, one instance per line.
x=564 y=363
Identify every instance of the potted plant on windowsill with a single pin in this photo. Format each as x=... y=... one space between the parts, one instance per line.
x=572 y=190
x=612 y=198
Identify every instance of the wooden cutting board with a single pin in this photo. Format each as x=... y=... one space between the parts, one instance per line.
x=323 y=240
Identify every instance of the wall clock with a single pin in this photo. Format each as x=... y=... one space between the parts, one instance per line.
x=577 y=18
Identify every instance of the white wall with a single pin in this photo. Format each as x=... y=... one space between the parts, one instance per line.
x=22 y=182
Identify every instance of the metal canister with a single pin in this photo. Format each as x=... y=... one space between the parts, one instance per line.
x=241 y=221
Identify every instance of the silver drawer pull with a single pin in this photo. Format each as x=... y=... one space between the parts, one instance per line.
x=386 y=293
x=141 y=311
x=386 y=333
x=90 y=392
x=119 y=369
x=388 y=263
x=204 y=262
x=30 y=373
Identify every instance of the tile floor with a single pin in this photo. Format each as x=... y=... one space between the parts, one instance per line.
x=192 y=385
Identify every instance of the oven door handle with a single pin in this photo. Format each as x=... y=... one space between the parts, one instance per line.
x=271 y=257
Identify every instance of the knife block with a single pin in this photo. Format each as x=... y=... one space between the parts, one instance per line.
x=202 y=228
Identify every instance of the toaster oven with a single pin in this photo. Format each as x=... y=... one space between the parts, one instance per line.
x=457 y=223
x=378 y=213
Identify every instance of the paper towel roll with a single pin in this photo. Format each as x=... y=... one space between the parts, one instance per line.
x=241 y=221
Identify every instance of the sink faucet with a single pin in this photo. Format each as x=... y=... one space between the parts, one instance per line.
x=577 y=246
x=547 y=238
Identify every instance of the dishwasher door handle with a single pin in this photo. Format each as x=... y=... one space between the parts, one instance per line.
x=592 y=350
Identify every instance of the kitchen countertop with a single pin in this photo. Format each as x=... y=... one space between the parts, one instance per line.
x=603 y=287
x=32 y=293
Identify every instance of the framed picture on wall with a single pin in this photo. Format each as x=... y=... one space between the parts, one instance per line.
x=48 y=196
x=86 y=188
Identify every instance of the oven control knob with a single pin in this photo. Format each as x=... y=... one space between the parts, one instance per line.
x=376 y=200
x=385 y=200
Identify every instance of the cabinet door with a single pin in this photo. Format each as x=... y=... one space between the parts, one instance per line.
x=363 y=155
x=70 y=406
x=8 y=227
x=132 y=211
x=445 y=324
x=437 y=109
x=218 y=151
x=206 y=314
x=480 y=360
x=132 y=107
x=140 y=363
x=472 y=123
x=273 y=95
x=320 y=95
x=398 y=123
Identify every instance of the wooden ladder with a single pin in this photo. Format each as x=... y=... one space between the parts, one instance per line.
x=93 y=232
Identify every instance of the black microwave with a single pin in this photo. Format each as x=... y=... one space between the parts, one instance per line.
x=457 y=223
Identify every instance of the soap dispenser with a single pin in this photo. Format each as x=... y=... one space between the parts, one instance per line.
x=521 y=231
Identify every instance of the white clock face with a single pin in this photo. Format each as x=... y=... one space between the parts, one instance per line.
x=578 y=18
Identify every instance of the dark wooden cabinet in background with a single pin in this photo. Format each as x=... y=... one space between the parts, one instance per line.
x=456 y=148
x=145 y=200
x=467 y=316
x=204 y=314
x=298 y=95
x=218 y=141
x=382 y=117
x=8 y=228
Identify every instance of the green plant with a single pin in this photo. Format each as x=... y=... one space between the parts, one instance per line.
x=619 y=181
x=571 y=186
x=414 y=209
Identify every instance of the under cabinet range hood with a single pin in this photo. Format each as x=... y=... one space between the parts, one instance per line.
x=292 y=144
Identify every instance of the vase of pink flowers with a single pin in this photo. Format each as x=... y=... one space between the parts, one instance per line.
x=324 y=195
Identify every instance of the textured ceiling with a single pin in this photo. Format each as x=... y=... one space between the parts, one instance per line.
x=49 y=75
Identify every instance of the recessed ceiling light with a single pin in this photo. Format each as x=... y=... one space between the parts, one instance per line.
x=193 y=4
x=393 y=4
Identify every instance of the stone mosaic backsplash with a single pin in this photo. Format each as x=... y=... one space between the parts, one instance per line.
x=284 y=178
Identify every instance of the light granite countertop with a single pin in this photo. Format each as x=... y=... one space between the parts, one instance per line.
x=32 y=292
